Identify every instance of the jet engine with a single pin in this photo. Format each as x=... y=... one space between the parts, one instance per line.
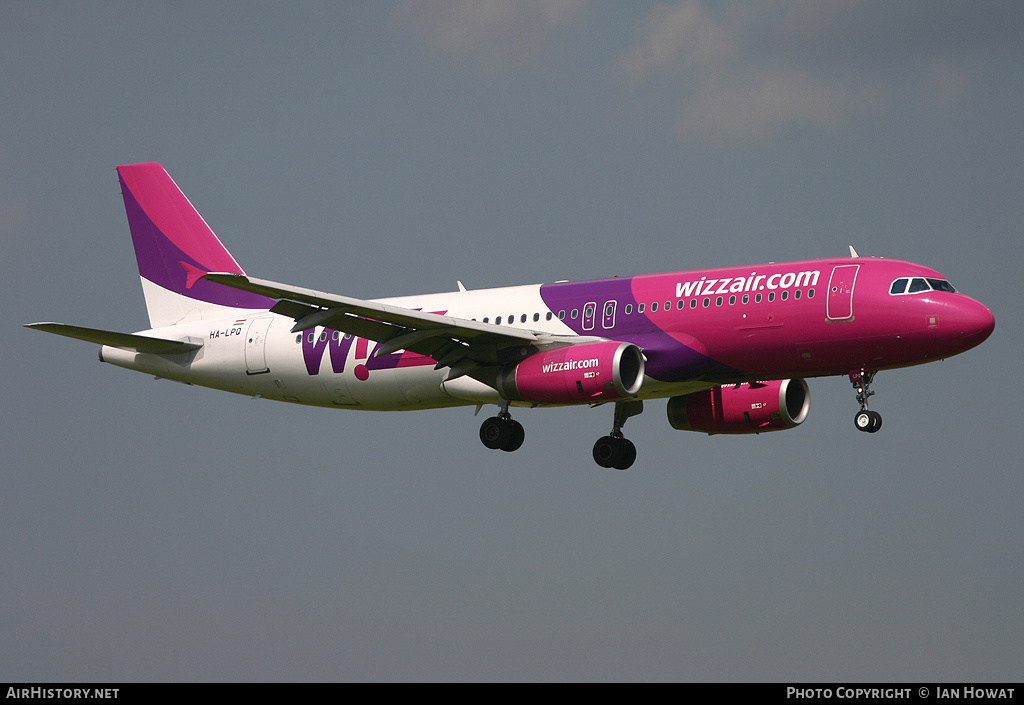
x=751 y=407
x=574 y=374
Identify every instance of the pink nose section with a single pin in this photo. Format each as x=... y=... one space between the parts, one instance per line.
x=975 y=323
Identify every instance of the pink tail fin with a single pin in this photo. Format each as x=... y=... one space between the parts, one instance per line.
x=174 y=248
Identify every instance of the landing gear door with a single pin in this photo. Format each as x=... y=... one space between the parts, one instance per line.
x=839 y=305
x=255 y=346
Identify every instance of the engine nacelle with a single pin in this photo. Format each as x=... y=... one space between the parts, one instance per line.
x=754 y=407
x=575 y=374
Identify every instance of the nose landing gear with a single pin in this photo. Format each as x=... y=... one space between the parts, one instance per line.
x=869 y=421
x=865 y=420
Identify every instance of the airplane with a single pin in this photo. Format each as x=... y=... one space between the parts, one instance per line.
x=730 y=348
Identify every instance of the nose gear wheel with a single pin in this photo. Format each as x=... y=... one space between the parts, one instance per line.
x=865 y=420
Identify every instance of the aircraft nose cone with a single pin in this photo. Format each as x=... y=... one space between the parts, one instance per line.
x=975 y=322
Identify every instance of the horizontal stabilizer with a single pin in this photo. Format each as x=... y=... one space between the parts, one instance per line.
x=124 y=341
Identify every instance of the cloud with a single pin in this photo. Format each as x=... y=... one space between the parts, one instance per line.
x=752 y=104
x=737 y=72
x=733 y=90
x=742 y=72
x=681 y=37
x=497 y=34
x=947 y=82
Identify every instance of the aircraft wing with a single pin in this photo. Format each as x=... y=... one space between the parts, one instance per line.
x=124 y=341
x=453 y=342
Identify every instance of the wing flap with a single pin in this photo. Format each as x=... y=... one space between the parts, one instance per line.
x=457 y=343
x=345 y=306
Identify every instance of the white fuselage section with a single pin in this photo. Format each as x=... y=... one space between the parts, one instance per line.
x=255 y=353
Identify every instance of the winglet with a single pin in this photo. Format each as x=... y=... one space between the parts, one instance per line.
x=853 y=252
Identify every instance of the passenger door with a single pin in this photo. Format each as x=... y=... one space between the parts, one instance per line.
x=839 y=305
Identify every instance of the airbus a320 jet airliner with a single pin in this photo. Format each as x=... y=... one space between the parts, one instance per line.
x=729 y=348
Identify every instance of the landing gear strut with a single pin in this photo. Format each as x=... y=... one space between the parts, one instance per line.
x=865 y=420
x=615 y=450
x=502 y=432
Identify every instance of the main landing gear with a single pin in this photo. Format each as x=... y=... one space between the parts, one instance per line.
x=502 y=432
x=615 y=450
x=865 y=420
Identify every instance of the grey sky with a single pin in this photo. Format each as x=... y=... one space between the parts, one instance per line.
x=159 y=532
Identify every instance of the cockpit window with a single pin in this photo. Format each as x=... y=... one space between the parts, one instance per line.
x=915 y=285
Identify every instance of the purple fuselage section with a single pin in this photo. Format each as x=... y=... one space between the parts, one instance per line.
x=792 y=319
x=585 y=306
